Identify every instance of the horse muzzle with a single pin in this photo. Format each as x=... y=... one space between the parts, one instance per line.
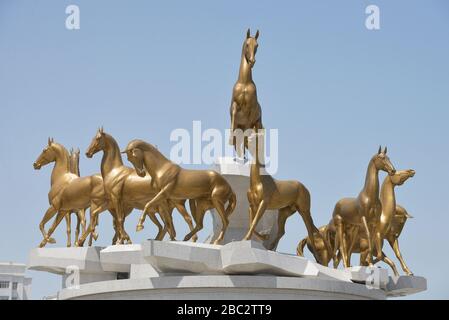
x=37 y=166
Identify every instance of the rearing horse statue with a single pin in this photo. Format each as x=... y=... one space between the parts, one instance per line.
x=245 y=109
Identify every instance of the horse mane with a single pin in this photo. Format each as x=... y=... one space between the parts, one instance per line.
x=145 y=146
x=60 y=148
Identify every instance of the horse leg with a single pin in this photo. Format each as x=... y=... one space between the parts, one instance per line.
x=200 y=211
x=390 y=263
x=337 y=260
x=48 y=215
x=283 y=215
x=168 y=219
x=394 y=243
x=370 y=241
x=233 y=140
x=218 y=204
x=56 y=222
x=160 y=197
x=81 y=223
x=259 y=213
x=119 y=219
x=68 y=221
x=341 y=240
x=78 y=226
x=94 y=212
x=251 y=212
x=140 y=224
x=160 y=234
x=182 y=210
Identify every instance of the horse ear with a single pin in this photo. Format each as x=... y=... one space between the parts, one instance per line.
x=385 y=150
x=248 y=34
x=49 y=141
x=101 y=130
x=380 y=150
x=257 y=34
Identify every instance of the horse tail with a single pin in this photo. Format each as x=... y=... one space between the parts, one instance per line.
x=231 y=204
x=300 y=248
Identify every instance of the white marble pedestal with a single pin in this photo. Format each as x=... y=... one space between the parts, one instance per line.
x=185 y=270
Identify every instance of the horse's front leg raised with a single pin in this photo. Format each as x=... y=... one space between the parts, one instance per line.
x=162 y=195
x=48 y=215
x=56 y=222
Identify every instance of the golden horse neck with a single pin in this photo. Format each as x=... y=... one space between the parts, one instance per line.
x=62 y=163
x=112 y=159
x=371 y=187
x=245 y=72
x=388 y=200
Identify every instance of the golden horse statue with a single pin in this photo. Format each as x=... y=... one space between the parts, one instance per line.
x=68 y=193
x=245 y=109
x=389 y=226
x=351 y=213
x=322 y=249
x=267 y=193
x=175 y=183
x=125 y=189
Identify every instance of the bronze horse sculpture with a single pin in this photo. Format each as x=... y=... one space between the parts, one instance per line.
x=267 y=193
x=245 y=110
x=352 y=213
x=175 y=183
x=125 y=189
x=388 y=227
x=69 y=192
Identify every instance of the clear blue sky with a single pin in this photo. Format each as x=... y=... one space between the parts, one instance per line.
x=334 y=89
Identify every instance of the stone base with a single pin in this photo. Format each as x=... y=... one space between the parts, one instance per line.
x=186 y=270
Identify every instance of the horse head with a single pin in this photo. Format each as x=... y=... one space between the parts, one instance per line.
x=98 y=143
x=401 y=176
x=47 y=156
x=250 y=48
x=134 y=154
x=382 y=162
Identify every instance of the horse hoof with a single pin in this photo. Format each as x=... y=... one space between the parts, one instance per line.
x=95 y=236
x=139 y=227
x=194 y=239
x=51 y=240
